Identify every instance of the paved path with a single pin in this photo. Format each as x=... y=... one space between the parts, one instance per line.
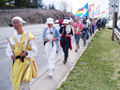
x=61 y=71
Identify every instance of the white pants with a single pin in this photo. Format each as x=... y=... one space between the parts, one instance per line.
x=57 y=46
x=51 y=52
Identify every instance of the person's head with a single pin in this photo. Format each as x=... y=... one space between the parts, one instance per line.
x=65 y=22
x=99 y=18
x=93 y=19
x=50 y=22
x=77 y=19
x=18 y=23
x=84 y=19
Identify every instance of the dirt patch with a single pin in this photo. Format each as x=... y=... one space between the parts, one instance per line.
x=33 y=16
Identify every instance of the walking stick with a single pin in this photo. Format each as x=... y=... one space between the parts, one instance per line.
x=11 y=47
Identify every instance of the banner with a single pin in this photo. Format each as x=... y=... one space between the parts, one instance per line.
x=97 y=11
x=103 y=13
x=91 y=10
x=82 y=12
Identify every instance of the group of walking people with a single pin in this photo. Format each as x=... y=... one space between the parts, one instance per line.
x=22 y=47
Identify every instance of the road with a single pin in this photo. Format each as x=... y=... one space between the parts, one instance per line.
x=40 y=58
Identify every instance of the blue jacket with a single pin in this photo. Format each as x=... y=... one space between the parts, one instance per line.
x=56 y=35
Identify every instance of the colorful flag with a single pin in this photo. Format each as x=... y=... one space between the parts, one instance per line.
x=91 y=10
x=97 y=11
x=103 y=13
x=82 y=12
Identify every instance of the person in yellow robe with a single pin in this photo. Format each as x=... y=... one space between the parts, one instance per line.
x=21 y=70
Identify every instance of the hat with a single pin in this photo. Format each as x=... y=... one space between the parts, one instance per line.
x=50 y=21
x=66 y=21
x=18 y=18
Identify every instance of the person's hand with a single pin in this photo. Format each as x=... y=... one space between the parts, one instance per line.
x=13 y=57
x=67 y=35
x=61 y=35
x=86 y=27
x=54 y=39
x=23 y=54
x=46 y=39
x=75 y=29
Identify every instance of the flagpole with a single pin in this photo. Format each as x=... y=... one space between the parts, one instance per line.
x=93 y=12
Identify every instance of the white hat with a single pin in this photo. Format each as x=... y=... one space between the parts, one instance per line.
x=50 y=21
x=66 y=21
x=18 y=18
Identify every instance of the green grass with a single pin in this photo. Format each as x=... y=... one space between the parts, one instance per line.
x=99 y=66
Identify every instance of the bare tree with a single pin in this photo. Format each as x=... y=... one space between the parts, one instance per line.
x=70 y=8
x=51 y=6
x=64 y=6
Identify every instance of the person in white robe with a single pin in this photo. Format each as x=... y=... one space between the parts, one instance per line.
x=50 y=38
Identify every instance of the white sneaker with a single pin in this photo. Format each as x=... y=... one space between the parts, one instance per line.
x=50 y=72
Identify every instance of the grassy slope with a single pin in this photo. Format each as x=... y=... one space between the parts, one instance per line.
x=99 y=66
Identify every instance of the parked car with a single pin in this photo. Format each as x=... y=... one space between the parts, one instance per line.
x=110 y=24
x=56 y=21
x=118 y=23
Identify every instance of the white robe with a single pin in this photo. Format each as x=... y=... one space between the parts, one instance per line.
x=50 y=51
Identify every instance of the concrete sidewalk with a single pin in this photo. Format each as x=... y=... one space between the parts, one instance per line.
x=61 y=71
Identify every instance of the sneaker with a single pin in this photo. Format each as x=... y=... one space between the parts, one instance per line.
x=57 y=51
x=84 y=44
x=50 y=72
x=76 y=50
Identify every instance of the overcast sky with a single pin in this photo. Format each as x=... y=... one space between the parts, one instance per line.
x=76 y=4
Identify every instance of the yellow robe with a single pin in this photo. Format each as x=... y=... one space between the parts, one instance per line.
x=18 y=68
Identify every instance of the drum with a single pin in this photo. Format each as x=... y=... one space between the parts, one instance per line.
x=77 y=29
x=68 y=29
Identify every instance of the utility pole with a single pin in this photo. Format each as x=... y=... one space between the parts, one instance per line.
x=37 y=3
x=114 y=7
x=114 y=23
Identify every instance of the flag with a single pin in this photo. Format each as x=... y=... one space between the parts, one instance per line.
x=82 y=12
x=91 y=10
x=97 y=11
x=103 y=13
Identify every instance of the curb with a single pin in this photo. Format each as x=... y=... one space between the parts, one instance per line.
x=61 y=71
x=65 y=77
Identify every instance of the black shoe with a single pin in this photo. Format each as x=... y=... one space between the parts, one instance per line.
x=64 y=62
x=84 y=44
x=57 y=51
x=76 y=50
